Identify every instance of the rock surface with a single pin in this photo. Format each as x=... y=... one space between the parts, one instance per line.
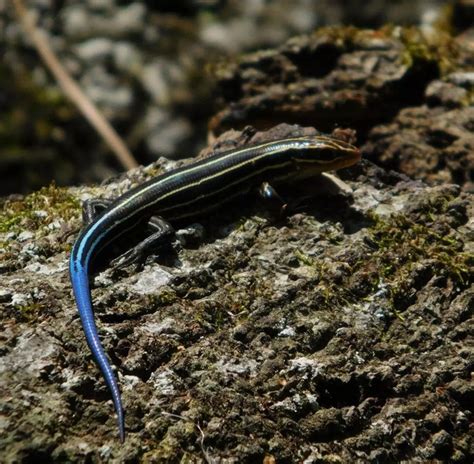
x=340 y=333
x=409 y=97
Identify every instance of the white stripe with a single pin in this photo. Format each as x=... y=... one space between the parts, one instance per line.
x=281 y=145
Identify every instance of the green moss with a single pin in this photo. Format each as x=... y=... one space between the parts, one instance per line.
x=468 y=100
x=169 y=448
x=341 y=36
x=27 y=312
x=399 y=245
x=440 y=49
x=166 y=297
x=445 y=20
x=38 y=210
x=304 y=258
x=403 y=243
x=212 y=313
x=416 y=47
x=413 y=241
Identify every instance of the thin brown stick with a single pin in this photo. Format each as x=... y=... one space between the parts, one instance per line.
x=73 y=91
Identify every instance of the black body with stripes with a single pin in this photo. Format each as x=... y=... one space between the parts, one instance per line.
x=188 y=192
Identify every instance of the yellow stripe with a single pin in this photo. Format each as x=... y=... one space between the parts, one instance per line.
x=254 y=173
x=199 y=181
x=282 y=145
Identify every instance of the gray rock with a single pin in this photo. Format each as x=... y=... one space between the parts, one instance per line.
x=353 y=339
x=101 y=4
x=105 y=89
x=130 y=18
x=161 y=78
x=127 y=58
x=165 y=133
x=94 y=50
x=79 y=22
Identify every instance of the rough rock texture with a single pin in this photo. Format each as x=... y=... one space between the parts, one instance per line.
x=340 y=333
x=346 y=75
x=434 y=143
x=408 y=95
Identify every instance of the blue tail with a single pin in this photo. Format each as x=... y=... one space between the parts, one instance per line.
x=80 y=285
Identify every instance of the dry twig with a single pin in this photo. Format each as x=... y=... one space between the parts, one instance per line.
x=73 y=91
